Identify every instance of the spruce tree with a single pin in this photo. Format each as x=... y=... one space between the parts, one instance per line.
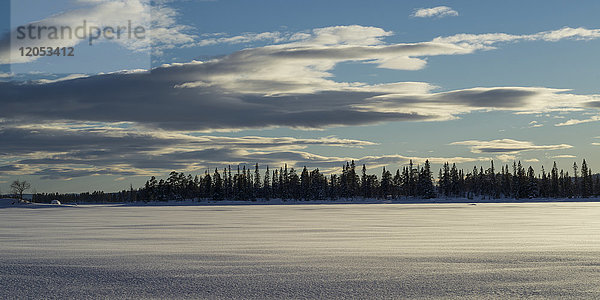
x=386 y=183
x=554 y=188
x=305 y=184
x=576 y=184
x=532 y=189
x=267 y=184
x=585 y=185
x=363 y=181
x=426 y=189
x=257 y=183
x=397 y=184
x=217 y=186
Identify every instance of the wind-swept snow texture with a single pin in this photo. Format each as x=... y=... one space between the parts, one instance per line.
x=493 y=250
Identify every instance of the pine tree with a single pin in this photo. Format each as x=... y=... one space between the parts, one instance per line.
x=554 y=188
x=282 y=184
x=363 y=181
x=406 y=182
x=587 y=187
x=411 y=179
x=386 y=183
x=397 y=184
x=445 y=181
x=229 y=182
x=523 y=184
x=353 y=180
x=545 y=184
x=319 y=184
x=208 y=186
x=275 y=184
x=267 y=184
x=567 y=189
x=257 y=183
x=305 y=184
x=454 y=181
x=532 y=185
x=217 y=186
x=425 y=183
x=576 y=184
x=334 y=187
x=597 y=186
x=493 y=188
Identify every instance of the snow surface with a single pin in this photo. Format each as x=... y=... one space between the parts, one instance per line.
x=489 y=250
x=7 y=202
x=14 y=203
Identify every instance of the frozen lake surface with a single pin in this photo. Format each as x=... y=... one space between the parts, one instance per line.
x=541 y=250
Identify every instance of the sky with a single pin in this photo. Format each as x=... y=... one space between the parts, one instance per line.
x=307 y=83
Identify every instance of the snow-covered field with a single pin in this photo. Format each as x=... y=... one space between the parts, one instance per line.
x=492 y=250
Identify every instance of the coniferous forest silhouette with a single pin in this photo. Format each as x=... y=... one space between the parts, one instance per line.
x=412 y=181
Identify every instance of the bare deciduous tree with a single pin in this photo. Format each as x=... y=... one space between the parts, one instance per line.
x=18 y=187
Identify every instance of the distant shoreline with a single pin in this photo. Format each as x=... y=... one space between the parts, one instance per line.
x=5 y=203
x=353 y=201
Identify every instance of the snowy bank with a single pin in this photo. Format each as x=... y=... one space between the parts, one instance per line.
x=9 y=202
x=5 y=203
x=449 y=200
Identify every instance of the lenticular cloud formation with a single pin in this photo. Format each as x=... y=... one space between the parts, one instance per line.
x=288 y=84
x=438 y=11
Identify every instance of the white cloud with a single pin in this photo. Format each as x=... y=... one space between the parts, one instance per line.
x=506 y=157
x=488 y=40
x=287 y=84
x=328 y=36
x=68 y=150
x=564 y=156
x=66 y=78
x=65 y=151
x=438 y=11
x=507 y=146
x=159 y=21
x=274 y=37
x=535 y=124
x=575 y=121
x=579 y=33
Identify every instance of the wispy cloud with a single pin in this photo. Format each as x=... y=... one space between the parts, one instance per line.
x=288 y=84
x=576 y=121
x=506 y=157
x=438 y=11
x=507 y=146
x=159 y=21
x=488 y=40
x=328 y=36
x=65 y=151
x=51 y=150
x=272 y=37
x=535 y=124
x=564 y=156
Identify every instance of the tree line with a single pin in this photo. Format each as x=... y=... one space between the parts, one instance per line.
x=248 y=184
